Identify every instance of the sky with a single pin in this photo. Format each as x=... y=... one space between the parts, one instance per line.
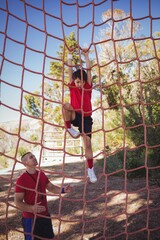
x=32 y=30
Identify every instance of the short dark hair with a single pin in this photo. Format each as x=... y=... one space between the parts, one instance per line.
x=81 y=74
x=22 y=158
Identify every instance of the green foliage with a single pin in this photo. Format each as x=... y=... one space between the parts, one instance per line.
x=3 y=162
x=153 y=156
x=133 y=90
x=153 y=163
x=57 y=69
x=111 y=94
x=58 y=115
x=33 y=105
x=115 y=163
x=34 y=138
x=22 y=150
x=133 y=163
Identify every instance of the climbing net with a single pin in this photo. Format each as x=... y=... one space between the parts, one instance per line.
x=123 y=40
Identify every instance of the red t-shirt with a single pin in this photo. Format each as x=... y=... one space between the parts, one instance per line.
x=26 y=183
x=80 y=98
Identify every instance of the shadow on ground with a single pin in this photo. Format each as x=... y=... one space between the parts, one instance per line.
x=112 y=208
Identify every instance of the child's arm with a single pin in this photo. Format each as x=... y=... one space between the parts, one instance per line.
x=70 y=67
x=88 y=66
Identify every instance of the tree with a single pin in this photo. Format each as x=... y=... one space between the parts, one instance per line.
x=33 y=105
x=130 y=80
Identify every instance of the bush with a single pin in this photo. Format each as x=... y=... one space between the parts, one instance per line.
x=134 y=163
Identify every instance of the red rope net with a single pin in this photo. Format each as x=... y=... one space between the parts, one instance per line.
x=127 y=66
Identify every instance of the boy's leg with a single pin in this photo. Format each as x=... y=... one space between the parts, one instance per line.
x=89 y=158
x=69 y=115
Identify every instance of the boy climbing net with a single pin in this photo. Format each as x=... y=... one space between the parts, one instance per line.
x=78 y=112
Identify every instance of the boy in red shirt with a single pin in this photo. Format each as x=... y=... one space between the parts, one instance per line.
x=78 y=112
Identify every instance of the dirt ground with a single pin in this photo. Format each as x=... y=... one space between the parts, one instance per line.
x=112 y=208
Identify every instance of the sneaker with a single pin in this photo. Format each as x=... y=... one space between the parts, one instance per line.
x=91 y=175
x=73 y=132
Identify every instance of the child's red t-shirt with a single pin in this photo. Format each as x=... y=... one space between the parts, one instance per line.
x=80 y=98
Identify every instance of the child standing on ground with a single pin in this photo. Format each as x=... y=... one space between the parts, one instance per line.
x=78 y=112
